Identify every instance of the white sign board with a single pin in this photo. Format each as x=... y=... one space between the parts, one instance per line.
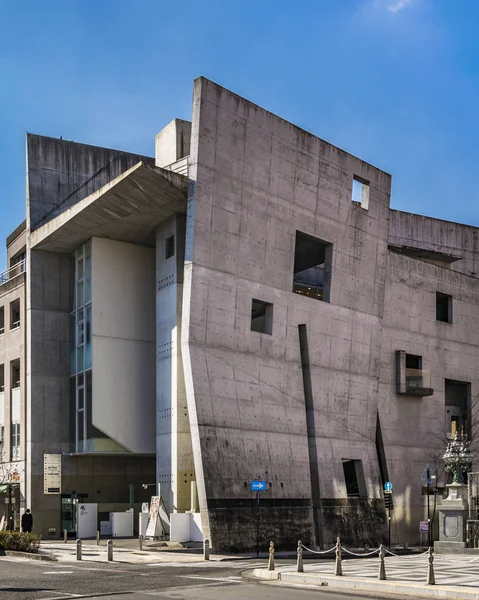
x=87 y=520
x=52 y=473
x=153 y=520
x=423 y=527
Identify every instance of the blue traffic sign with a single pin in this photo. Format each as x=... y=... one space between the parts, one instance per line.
x=388 y=486
x=258 y=486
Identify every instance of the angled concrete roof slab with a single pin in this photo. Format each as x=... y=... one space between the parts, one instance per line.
x=128 y=209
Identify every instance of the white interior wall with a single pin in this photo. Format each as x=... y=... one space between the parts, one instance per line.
x=123 y=330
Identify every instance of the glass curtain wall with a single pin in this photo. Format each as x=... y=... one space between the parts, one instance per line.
x=81 y=345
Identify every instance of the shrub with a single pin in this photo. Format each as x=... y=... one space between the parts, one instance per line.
x=22 y=542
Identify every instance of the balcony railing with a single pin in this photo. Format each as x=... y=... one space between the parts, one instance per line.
x=418 y=382
x=13 y=272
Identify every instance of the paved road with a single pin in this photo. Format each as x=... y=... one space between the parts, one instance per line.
x=22 y=579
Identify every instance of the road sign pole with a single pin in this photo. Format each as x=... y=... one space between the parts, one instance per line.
x=428 y=481
x=257 y=524
x=389 y=528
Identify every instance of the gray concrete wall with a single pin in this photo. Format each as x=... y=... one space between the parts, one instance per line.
x=446 y=237
x=60 y=173
x=123 y=331
x=258 y=179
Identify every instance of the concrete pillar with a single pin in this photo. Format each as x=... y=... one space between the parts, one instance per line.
x=109 y=550
x=78 y=549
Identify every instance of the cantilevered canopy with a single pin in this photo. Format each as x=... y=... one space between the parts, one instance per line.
x=127 y=209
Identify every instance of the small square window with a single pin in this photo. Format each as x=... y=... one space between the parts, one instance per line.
x=443 y=307
x=262 y=317
x=361 y=191
x=170 y=247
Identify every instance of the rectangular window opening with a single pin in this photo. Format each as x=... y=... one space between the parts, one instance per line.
x=2 y=378
x=2 y=320
x=312 y=267
x=15 y=439
x=354 y=478
x=458 y=408
x=360 y=193
x=170 y=247
x=261 y=317
x=15 y=374
x=443 y=308
x=15 y=314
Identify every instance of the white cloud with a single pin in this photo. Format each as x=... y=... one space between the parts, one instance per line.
x=397 y=6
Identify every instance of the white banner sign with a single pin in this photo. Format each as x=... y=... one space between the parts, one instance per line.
x=52 y=473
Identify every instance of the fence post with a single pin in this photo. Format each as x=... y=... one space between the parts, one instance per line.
x=78 y=549
x=140 y=539
x=382 y=568
x=430 y=579
x=206 y=550
x=109 y=550
x=97 y=538
x=271 y=557
x=299 y=564
x=65 y=536
x=339 y=570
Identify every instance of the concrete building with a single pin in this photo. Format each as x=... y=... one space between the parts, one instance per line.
x=244 y=306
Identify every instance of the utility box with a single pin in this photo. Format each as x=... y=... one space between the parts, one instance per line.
x=122 y=523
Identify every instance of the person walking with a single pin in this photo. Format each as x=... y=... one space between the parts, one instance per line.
x=27 y=521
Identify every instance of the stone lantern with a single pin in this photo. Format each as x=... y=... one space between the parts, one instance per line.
x=453 y=510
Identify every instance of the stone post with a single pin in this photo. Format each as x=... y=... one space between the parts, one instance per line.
x=206 y=550
x=271 y=557
x=338 y=570
x=109 y=550
x=140 y=539
x=430 y=579
x=382 y=568
x=78 y=549
x=65 y=536
x=97 y=538
x=299 y=564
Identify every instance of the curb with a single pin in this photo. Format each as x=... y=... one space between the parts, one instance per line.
x=30 y=555
x=389 y=587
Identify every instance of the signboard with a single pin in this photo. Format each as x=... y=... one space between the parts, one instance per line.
x=259 y=486
x=87 y=520
x=428 y=476
x=52 y=473
x=423 y=526
x=388 y=486
x=153 y=519
x=13 y=472
x=145 y=507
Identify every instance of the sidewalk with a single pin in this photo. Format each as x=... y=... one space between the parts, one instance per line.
x=457 y=577
x=127 y=551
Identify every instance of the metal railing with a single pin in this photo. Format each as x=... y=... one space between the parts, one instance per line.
x=13 y=272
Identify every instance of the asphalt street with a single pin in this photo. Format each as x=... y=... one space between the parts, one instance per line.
x=23 y=579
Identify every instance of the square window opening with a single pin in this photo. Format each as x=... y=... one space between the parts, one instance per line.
x=170 y=247
x=15 y=314
x=312 y=267
x=443 y=307
x=354 y=478
x=261 y=317
x=360 y=193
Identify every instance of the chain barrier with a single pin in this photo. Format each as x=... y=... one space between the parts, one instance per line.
x=362 y=554
x=317 y=551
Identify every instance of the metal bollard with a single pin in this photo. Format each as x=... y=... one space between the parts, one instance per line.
x=271 y=557
x=109 y=550
x=382 y=568
x=430 y=579
x=140 y=539
x=65 y=536
x=97 y=538
x=78 y=548
x=339 y=569
x=299 y=564
x=206 y=550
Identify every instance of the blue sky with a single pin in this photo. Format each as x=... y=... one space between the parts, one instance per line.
x=394 y=82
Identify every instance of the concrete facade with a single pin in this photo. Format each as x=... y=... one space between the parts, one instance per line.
x=306 y=334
